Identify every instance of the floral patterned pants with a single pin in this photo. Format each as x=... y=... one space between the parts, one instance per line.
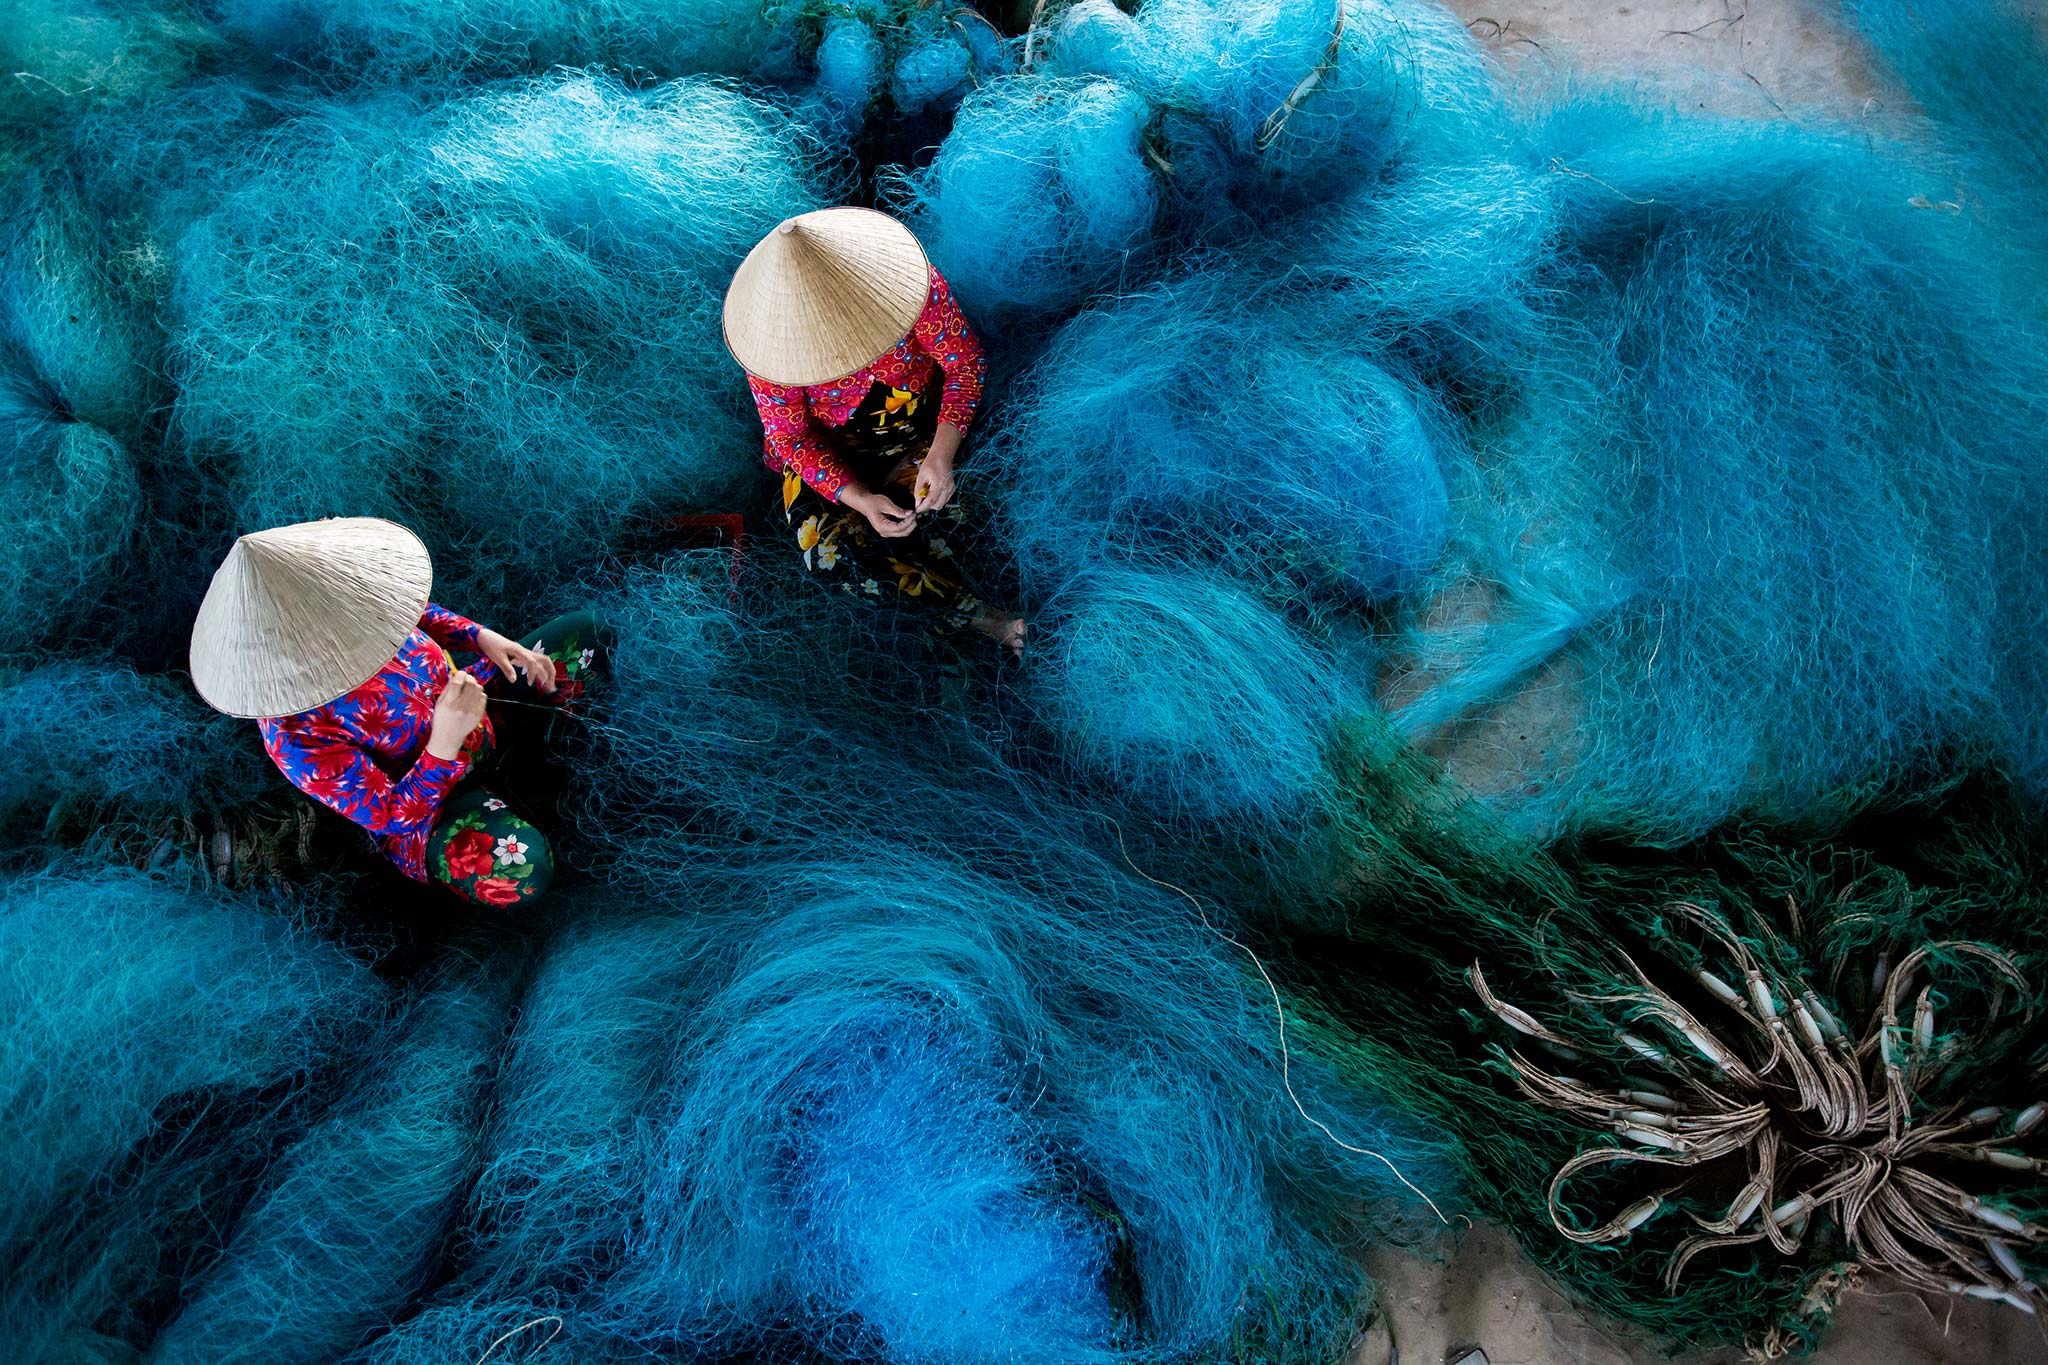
x=917 y=572
x=488 y=854
x=482 y=849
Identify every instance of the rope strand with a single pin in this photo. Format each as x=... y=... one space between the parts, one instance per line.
x=1280 y=1015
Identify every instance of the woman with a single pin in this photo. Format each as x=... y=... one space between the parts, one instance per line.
x=866 y=377
x=322 y=632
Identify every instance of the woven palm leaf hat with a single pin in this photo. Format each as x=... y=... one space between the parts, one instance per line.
x=824 y=294
x=299 y=615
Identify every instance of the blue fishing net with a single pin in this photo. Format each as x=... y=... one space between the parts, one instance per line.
x=1441 y=508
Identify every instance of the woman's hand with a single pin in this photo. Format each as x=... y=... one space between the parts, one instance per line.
x=457 y=713
x=513 y=659
x=934 y=482
x=891 y=520
x=935 y=475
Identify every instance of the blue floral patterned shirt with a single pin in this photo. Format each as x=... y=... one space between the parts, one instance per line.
x=365 y=754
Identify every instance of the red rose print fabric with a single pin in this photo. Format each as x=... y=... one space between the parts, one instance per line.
x=486 y=853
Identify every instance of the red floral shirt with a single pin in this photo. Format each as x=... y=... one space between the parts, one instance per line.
x=791 y=415
x=365 y=754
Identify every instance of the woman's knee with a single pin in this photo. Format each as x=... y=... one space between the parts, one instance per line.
x=579 y=643
x=488 y=854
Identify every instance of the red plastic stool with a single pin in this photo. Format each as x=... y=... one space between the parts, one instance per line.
x=711 y=531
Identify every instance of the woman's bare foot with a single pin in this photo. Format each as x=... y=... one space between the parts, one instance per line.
x=1005 y=629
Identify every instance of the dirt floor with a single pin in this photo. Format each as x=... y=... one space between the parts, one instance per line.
x=1754 y=59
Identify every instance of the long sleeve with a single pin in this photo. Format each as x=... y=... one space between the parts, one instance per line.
x=943 y=334
x=338 y=773
x=793 y=444
x=452 y=631
x=447 y=629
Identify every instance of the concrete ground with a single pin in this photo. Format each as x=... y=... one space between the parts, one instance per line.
x=1486 y=1294
x=1760 y=58
x=1750 y=58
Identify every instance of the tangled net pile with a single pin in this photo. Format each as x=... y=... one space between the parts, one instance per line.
x=1459 y=518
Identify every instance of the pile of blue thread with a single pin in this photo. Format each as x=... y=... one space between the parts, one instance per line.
x=1651 y=471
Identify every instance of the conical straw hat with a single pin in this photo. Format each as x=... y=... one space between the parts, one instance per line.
x=300 y=615
x=824 y=294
